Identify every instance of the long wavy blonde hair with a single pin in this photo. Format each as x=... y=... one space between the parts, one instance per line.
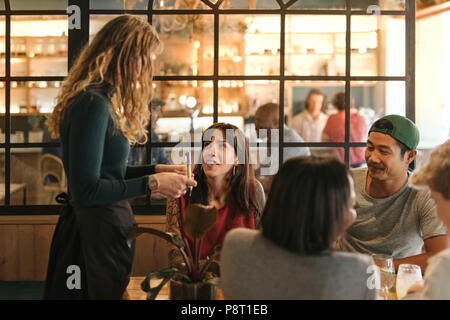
x=120 y=55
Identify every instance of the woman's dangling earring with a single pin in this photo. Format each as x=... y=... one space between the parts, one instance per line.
x=234 y=171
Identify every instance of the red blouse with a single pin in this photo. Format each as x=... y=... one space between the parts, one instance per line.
x=228 y=218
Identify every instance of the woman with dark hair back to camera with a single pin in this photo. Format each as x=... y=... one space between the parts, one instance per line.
x=309 y=206
x=101 y=110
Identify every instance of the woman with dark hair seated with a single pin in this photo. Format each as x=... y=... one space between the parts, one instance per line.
x=225 y=179
x=309 y=206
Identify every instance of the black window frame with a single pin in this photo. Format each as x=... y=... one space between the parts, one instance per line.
x=78 y=37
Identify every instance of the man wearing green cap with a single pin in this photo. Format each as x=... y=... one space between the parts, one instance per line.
x=393 y=217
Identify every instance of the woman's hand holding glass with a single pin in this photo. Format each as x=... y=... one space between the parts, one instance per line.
x=172 y=185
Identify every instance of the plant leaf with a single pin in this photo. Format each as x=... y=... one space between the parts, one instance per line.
x=168 y=236
x=199 y=219
x=214 y=281
x=211 y=266
x=165 y=274
x=153 y=292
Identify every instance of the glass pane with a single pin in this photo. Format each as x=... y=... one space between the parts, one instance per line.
x=137 y=156
x=357 y=157
x=432 y=80
x=374 y=5
x=33 y=96
x=334 y=130
x=423 y=155
x=192 y=35
x=39 y=46
x=239 y=98
x=375 y=99
x=314 y=4
x=119 y=4
x=2 y=5
x=38 y=5
x=187 y=106
x=378 y=46
x=2 y=104
x=185 y=4
x=2 y=117
x=2 y=177
x=2 y=46
x=249 y=45
x=315 y=45
x=37 y=176
x=31 y=102
x=308 y=106
x=249 y=4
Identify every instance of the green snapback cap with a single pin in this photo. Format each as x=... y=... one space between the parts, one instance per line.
x=404 y=130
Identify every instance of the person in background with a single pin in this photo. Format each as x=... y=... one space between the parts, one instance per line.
x=393 y=217
x=334 y=130
x=267 y=118
x=100 y=112
x=159 y=156
x=310 y=122
x=225 y=180
x=436 y=175
x=309 y=206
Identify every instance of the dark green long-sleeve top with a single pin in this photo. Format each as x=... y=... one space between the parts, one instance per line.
x=95 y=154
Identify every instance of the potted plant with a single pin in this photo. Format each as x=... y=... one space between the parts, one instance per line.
x=194 y=279
x=35 y=134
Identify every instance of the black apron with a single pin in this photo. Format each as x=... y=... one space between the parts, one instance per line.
x=89 y=255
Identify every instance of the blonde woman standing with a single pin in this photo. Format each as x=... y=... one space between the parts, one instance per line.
x=101 y=110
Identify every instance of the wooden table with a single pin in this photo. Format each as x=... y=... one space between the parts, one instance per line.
x=135 y=292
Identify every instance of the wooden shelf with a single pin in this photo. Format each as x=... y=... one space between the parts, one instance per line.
x=184 y=114
x=26 y=114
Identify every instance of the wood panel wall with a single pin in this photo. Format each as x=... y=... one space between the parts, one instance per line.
x=25 y=245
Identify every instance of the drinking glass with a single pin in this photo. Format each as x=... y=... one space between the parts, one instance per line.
x=385 y=264
x=407 y=275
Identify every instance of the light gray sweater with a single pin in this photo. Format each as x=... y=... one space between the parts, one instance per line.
x=254 y=268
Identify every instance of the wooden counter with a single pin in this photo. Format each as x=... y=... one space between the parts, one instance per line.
x=25 y=245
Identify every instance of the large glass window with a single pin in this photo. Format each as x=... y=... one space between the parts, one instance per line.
x=222 y=59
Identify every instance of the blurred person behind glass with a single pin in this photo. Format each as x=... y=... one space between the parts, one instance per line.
x=267 y=118
x=159 y=156
x=334 y=130
x=310 y=122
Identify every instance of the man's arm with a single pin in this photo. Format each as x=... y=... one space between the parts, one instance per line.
x=432 y=246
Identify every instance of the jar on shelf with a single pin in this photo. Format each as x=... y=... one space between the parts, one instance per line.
x=62 y=47
x=38 y=47
x=50 y=47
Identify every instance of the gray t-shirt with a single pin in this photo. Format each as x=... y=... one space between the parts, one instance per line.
x=254 y=268
x=395 y=225
x=291 y=136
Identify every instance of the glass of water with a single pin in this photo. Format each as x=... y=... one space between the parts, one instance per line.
x=385 y=264
x=407 y=275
